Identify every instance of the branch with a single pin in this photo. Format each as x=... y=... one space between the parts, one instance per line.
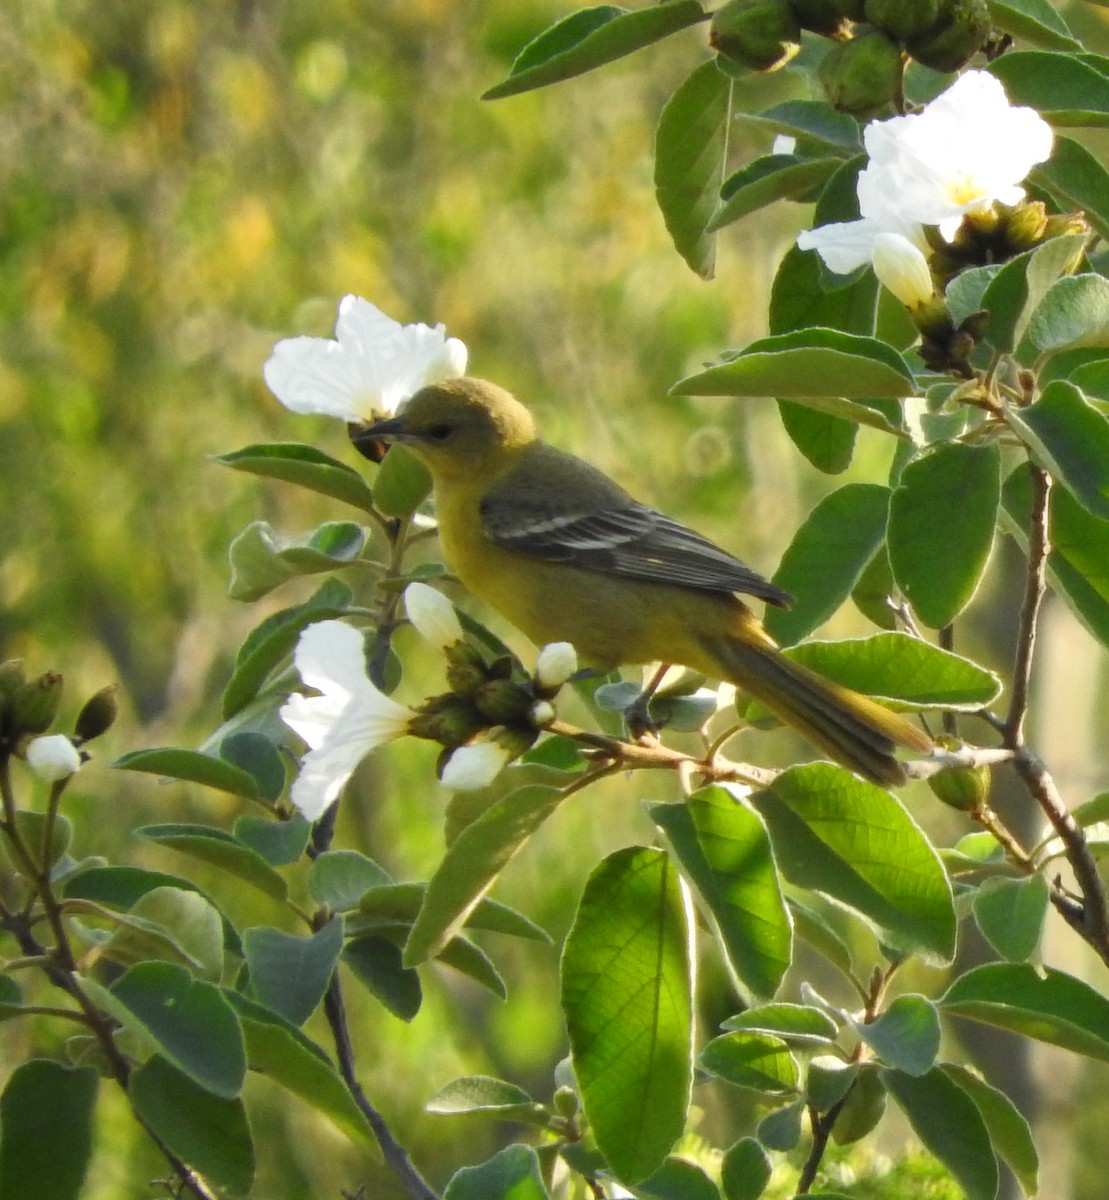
x=1039 y=547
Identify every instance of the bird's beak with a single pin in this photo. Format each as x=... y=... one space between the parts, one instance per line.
x=371 y=439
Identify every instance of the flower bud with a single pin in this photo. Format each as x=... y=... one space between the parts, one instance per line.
x=557 y=661
x=35 y=703
x=466 y=670
x=903 y=269
x=474 y=766
x=761 y=34
x=903 y=19
x=53 y=758
x=448 y=719
x=829 y=18
x=501 y=701
x=98 y=715
x=566 y=1102
x=959 y=32
x=963 y=788
x=541 y=714
x=862 y=76
x=433 y=615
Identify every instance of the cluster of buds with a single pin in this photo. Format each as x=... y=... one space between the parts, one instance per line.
x=491 y=715
x=29 y=708
x=862 y=72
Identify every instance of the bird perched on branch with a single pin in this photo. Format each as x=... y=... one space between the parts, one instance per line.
x=565 y=554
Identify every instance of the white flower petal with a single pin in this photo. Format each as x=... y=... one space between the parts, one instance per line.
x=474 y=766
x=433 y=615
x=53 y=757
x=843 y=245
x=341 y=726
x=374 y=364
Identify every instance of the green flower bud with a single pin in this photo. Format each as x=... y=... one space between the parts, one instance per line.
x=761 y=34
x=98 y=715
x=903 y=19
x=963 y=788
x=466 y=670
x=830 y=18
x=960 y=31
x=566 y=1102
x=448 y=719
x=501 y=701
x=862 y=76
x=35 y=703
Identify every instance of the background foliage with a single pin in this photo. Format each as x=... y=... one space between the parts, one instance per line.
x=181 y=184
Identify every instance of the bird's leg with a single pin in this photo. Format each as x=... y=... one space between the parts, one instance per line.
x=638 y=713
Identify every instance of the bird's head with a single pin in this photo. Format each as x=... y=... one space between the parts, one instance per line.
x=458 y=425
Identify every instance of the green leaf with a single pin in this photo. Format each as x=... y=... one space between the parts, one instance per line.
x=280 y=843
x=905 y=1036
x=1016 y=289
x=303 y=465
x=758 y=1061
x=46 y=1137
x=33 y=828
x=1009 y=1132
x=288 y=973
x=773 y=177
x=1011 y=914
x=897 y=667
x=828 y=1081
x=1049 y=1006
x=403 y=901
x=222 y=850
x=257 y=755
x=810 y=926
x=193 y=767
x=1064 y=89
x=511 y=1174
x=626 y=996
x=590 y=38
x=781 y=1129
x=276 y=1048
x=807 y=364
x=483 y=1094
x=1076 y=180
x=810 y=122
x=1074 y=312
x=745 y=1170
x=723 y=849
x=402 y=483
x=827 y=556
x=378 y=965
x=854 y=843
x=1036 y=21
x=472 y=863
x=1070 y=439
x=191 y=1023
x=863 y=1107
x=677 y=1179
x=261 y=559
x=949 y=1124
x=1092 y=811
x=951 y=486
x=474 y=963
x=209 y=1133
x=190 y=928
x=1078 y=564
x=826 y=440
x=272 y=642
x=339 y=878
x=799 y=1023
x=690 y=148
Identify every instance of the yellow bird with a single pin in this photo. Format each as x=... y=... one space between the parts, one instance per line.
x=565 y=554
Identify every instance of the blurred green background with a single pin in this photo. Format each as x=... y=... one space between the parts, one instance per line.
x=181 y=184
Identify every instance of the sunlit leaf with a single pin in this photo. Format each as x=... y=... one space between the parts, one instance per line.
x=1011 y=914
x=511 y=1174
x=1009 y=1131
x=758 y=1061
x=303 y=465
x=745 y=1170
x=906 y=1035
x=1035 y=21
x=221 y=849
x=1066 y=89
x=193 y=767
x=626 y=995
x=800 y=1023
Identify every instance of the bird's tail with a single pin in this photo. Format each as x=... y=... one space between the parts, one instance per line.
x=853 y=729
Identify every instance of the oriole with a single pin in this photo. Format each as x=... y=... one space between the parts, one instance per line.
x=565 y=554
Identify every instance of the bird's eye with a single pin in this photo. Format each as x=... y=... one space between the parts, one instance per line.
x=440 y=432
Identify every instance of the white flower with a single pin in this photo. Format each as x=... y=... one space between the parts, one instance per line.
x=53 y=757
x=966 y=150
x=433 y=615
x=474 y=766
x=557 y=661
x=373 y=366
x=903 y=269
x=345 y=722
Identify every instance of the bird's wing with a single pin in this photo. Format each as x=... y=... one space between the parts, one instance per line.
x=557 y=508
